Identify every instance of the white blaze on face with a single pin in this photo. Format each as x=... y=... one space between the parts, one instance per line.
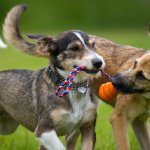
x=92 y=54
x=81 y=39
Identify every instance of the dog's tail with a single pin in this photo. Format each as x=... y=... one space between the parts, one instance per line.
x=11 y=31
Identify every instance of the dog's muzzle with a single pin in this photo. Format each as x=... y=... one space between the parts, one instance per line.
x=97 y=63
x=124 y=85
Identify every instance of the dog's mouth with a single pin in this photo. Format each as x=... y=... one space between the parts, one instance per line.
x=94 y=71
x=89 y=71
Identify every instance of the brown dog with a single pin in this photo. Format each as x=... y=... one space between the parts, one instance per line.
x=135 y=107
x=132 y=108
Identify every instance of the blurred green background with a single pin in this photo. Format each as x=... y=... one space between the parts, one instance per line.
x=50 y=15
x=124 y=22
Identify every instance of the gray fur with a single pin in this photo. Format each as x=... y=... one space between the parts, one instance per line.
x=24 y=95
x=28 y=97
x=11 y=31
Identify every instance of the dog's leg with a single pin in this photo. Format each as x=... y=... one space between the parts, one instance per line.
x=119 y=121
x=141 y=130
x=47 y=136
x=71 y=139
x=88 y=136
x=50 y=141
x=120 y=129
x=7 y=124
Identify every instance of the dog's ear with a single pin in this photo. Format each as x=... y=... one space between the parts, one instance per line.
x=46 y=45
x=34 y=36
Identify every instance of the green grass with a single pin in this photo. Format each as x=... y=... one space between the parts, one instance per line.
x=22 y=139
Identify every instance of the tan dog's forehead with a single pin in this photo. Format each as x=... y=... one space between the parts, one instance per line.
x=143 y=63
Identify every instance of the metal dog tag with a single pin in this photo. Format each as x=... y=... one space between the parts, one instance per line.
x=82 y=90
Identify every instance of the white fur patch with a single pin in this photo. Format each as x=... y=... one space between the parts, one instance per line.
x=51 y=141
x=2 y=44
x=91 y=55
x=81 y=39
x=80 y=103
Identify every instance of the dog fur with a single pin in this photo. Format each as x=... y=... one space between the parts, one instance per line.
x=133 y=105
x=128 y=108
x=136 y=82
x=27 y=97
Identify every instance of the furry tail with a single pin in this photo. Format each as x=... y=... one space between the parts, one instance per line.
x=11 y=31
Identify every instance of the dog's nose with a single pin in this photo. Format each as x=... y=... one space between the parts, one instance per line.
x=97 y=63
x=119 y=83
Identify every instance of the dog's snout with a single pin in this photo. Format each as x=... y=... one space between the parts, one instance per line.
x=117 y=80
x=114 y=80
x=97 y=63
x=119 y=83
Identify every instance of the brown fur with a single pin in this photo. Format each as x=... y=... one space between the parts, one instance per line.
x=136 y=106
x=117 y=58
x=130 y=108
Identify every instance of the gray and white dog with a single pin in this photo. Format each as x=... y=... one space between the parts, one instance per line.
x=28 y=97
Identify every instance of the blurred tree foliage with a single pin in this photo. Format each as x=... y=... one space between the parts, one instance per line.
x=49 y=15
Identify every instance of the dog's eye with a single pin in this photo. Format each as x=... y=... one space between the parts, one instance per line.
x=140 y=75
x=93 y=44
x=135 y=65
x=75 y=48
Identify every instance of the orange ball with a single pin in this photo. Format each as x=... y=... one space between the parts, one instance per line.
x=107 y=91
